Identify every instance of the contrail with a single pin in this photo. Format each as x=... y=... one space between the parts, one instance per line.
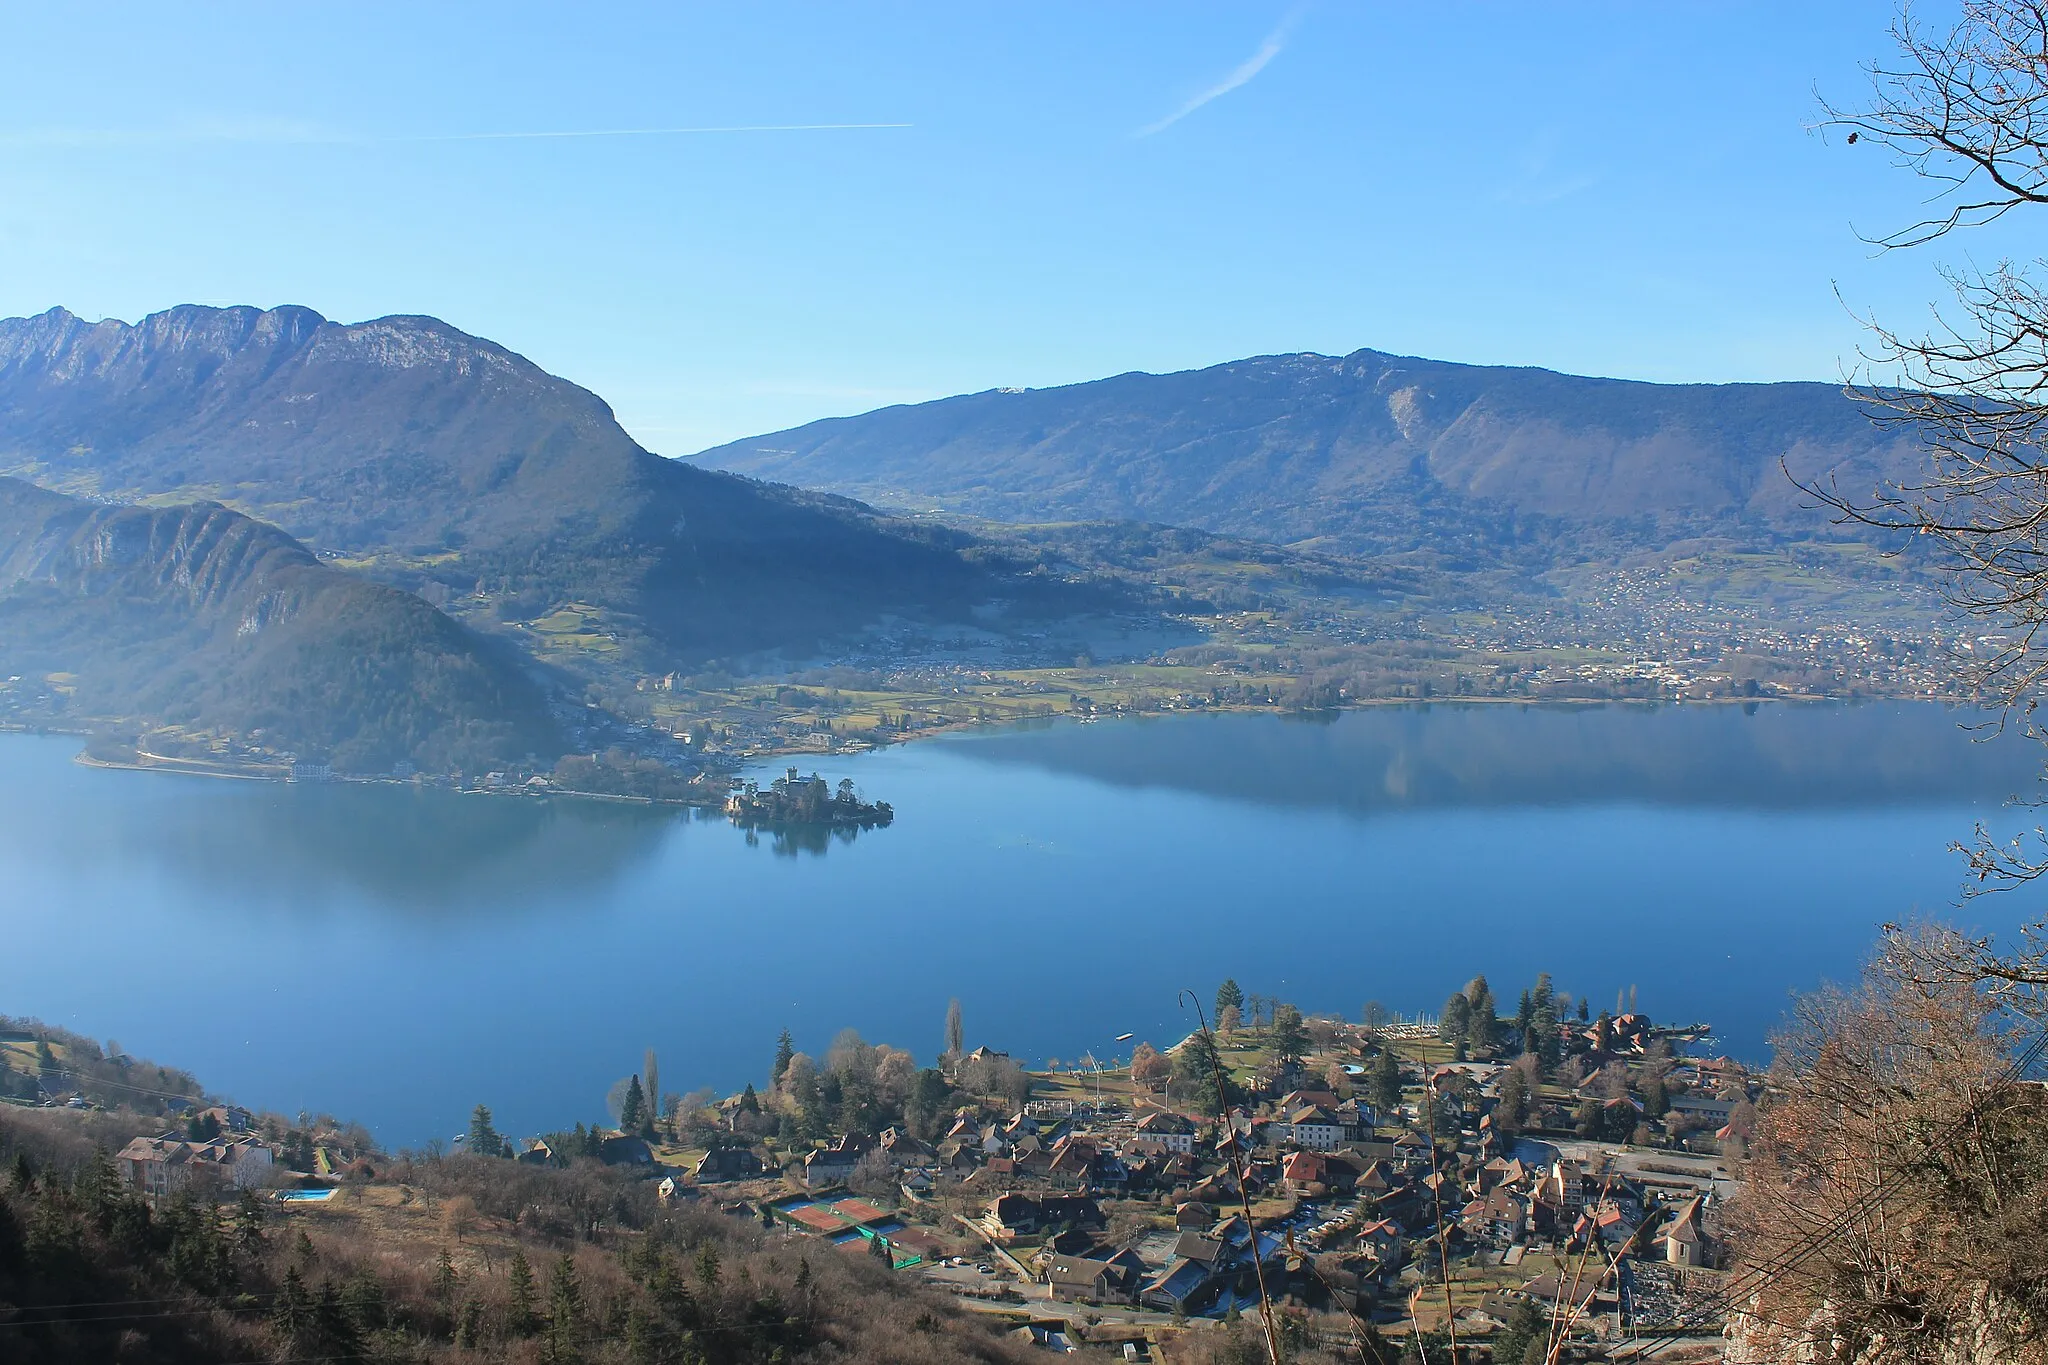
x=1275 y=43
x=653 y=132
x=290 y=136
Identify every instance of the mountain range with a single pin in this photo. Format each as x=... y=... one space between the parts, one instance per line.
x=197 y=616
x=1366 y=454
x=447 y=464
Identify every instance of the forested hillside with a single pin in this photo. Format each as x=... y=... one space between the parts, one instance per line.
x=199 y=617
x=1363 y=453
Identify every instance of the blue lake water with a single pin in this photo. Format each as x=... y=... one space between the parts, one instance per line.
x=397 y=955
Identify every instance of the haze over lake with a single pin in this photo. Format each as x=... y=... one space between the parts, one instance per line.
x=399 y=955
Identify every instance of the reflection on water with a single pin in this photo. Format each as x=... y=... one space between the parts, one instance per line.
x=399 y=955
x=1752 y=756
x=409 y=849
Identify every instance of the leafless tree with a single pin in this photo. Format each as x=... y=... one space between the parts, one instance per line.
x=1895 y=1175
x=1964 y=105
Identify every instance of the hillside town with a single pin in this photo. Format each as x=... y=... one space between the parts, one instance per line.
x=1480 y=1173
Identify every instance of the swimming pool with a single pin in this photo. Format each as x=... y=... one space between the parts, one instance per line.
x=305 y=1196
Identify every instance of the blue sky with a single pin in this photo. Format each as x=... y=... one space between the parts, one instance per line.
x=1075 y=190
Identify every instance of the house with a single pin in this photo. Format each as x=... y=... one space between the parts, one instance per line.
x=1707 y=1109
x=721 y=1164
x=625 y=1150
x=1306 y=1173
x=829 y=1166
x=1160 y=1131
x=1314 y=1127
x=1193 y=1214
x=1499 y=1219
x=1382 y=1240
x=1016 y=1215
x=162 y=1166
x=534 y=1152
x=1082 y=1279
x=902 y=1149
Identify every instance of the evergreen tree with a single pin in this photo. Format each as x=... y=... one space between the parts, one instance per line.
x=1386 y=1083
x=483 y=1137
x=519 y=1316
x=1230 y=996
x=291 y=1315
x=750 y=1103
x=785 y=1050
x=565 y=1311
x=1511 y=1112
x=1289 y=1037
x=1583 y=1009
x=1483 y=1027
x=444 y=1279
x=1525 y=1015
x=1194 y=1074
x=1456 y=1018
x=634 y=1111
x=707 y=1267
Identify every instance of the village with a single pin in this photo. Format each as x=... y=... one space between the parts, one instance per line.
x=1485 y=1175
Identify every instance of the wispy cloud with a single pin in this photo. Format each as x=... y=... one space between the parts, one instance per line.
x=654 y=132
x=296 y=135
x=1275 y=44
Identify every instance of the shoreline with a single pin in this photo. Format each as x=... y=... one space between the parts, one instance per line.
x=761 y=758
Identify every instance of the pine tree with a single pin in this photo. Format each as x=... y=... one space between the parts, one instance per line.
x=750 y=1103
x=1484 y=1023
x=291 y=1314
x=483 y=1139
x=1386 y=1083
x=1511 y=1112
x=1230 y=996
x=634 y=1111
x=785 y=1051
x=1290 y=1039
x=565 y=1311
x=1456 y=1018
x=519 y=1297
x=444 y=1278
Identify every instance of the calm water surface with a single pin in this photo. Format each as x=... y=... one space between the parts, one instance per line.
x=397 y=956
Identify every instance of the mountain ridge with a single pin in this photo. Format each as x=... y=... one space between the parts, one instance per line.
x=451 y=465
x=1373 y=452
x=200 y=618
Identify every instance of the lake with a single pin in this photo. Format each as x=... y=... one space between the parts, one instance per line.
x=397 y=955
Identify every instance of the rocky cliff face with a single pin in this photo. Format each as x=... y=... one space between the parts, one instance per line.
x=1989 y=1332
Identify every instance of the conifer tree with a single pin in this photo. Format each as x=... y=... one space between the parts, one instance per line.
x=785 y=1051
x=1230 y=996
x=565 y=1311
x=634 y=1111
x=1483 y=1026
x=519 y=1316
x=484 y=1139
x=1386 y=1083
